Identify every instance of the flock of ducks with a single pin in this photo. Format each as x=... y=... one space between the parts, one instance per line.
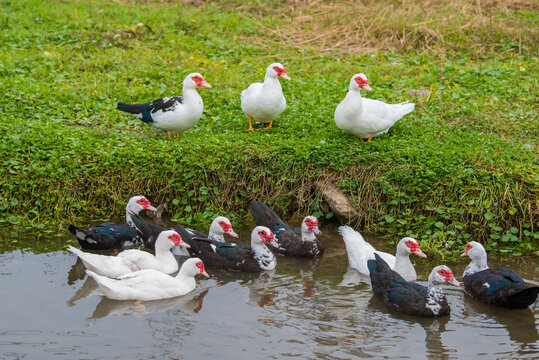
x=139 y=275
x=264 y=102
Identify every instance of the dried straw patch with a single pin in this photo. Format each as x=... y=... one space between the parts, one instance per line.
x=425 y=25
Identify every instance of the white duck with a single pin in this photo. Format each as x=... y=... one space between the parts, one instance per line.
x=263 y=102
x=172 y=114
x=133 y=260
x=367 y=118
x=149 y=284
x=359 y=251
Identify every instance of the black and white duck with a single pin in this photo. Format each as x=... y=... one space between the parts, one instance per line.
x=233 y=256
x=407 y=297
x=172 y=114
x=501 y=287
x=111 y=235
x=292 y=241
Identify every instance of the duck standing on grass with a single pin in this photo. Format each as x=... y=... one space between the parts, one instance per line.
x=367 y=118
x=172 y=114
x=263 y=102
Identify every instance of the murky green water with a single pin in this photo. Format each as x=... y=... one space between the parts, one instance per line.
x=49 y=309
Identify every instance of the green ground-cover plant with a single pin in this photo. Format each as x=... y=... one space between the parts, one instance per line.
x=463 y=165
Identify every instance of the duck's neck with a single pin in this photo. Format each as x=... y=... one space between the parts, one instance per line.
x=186 y=278
x=476 y=265
x=191 y=95
x=307 y=235
x=271 y=84
x=216 y=236
x=264 y=256
x=403 y=266
x=435 y=297
x=128 y=219
x=163 y=253
x=353 y=101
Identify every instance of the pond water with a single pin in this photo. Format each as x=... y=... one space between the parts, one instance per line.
x=50 y=309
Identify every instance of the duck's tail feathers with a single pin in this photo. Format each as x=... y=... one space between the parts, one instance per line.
x=78 y=232
x=130 y=108
x=406 y=108
x=264 y=215
x=378 y=265
x=523 y=297
x=75 y=251
x=103 y=282
x=350 y=235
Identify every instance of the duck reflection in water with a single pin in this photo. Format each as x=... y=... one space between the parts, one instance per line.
x=261 y=292
x=520 y=324
x=434 y=328
x=353 y=277
x=77 y=272
x=190 y=303
x=306 y=271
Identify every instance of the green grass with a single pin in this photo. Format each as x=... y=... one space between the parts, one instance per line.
x=462 y=166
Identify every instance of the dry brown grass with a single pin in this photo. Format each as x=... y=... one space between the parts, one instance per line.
x=360 y=26
x=425 y=25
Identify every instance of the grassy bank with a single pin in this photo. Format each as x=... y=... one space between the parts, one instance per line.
x=463 y=165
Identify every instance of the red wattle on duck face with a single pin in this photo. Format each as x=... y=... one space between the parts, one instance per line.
x=468 y=248
x=414 y=248
x=200 y=266
x=281 y=72
x=227 y=228
x=145 y=203
x=199 y=81
x=449 y=278
x=312 y=225
x=177 y=240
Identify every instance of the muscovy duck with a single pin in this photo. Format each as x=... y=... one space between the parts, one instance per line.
x=111 y=235
x=501 y=287
x=149 y=284
x=149 y=232
x=218 y=228
x=133 y=260
x=172 y=114
x=293 y=241
x=367 y=118
x=359 y=251
x=263 y=102
x=410 y=298
x=232 y=256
